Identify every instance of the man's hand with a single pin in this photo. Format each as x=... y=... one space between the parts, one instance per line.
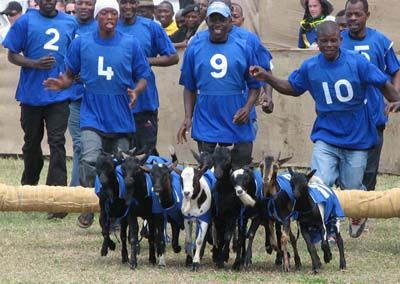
x=46 y=62
x=241 y=116
x=56 y=84
x=133 y=96
x=258 y=72
x=267 y=105
x=183 y=131
x=393 y=107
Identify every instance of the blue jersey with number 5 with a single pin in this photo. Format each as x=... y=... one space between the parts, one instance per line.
x=108 y=68
x=218 y=72
x=378 y=49
x=37 y=36
x=339 y=91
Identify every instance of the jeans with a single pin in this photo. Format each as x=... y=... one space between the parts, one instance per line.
x=92 y=144
x=146 y=131
x=374 y=155
x=75 y=132
x=241 y=152
x=34 y=119
x=331 y=163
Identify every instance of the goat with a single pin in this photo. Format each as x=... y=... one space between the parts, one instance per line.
x=111 y=204
x=196 y=206
x=279 y=206
x=226 y=207
x=138 y=192
x=318 y=211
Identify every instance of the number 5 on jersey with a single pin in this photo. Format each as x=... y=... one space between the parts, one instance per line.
x=108 y=73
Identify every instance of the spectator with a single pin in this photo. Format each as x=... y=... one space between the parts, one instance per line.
x=214 y=74
x=110 y=74
x=343 y=131
x=203 y=4
x=341 y=20
x=315 y=13
x=159 y=51
x=378 y=49
x=86 y=24
x=60 y=6
x=32 y=4
x=13 y=11
x=146 y=9
x=165 y=15
x=43 y=49
x=179 y=19
x=70 y=8
x=192 y=20
x=237 y=15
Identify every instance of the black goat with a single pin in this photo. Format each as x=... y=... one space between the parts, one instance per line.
x=318 y=211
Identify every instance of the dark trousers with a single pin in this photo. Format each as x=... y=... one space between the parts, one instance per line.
x=34 y=119
x=146 y=131
x=241 y=152
x=374 y=155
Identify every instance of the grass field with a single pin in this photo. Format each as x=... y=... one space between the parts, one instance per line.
x=36 y=250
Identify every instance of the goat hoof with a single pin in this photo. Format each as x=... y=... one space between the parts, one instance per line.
x=278 y=261
x=342 y=266
x=104 y=251
x=111 y=245
x=152 y=260
x=189 y=261
x=315 y=271
x=125 y=259
x=236 y=266
x=328 y=257
x=220 y=265
x=133 y=265
x=268 y=249
x=177 y=249
x=196 y=267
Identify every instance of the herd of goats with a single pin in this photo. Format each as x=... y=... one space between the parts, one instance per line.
x=216 y=202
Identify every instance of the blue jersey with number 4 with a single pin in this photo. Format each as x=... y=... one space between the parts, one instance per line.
x=37 y=36
x=339 y=90
x=218 y=73
x=108 y=67
x=378 y=49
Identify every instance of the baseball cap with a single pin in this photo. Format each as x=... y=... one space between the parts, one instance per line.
x=220 y=8
x=12 y=8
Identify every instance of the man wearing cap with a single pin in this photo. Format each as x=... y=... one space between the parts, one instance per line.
x=114 y=70
x=13 y=11
x=38 y=42
x=191 y=14
x=159 y=51
x=146 y=9
x=215 y=78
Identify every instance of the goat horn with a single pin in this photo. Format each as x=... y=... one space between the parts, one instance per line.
x=175 y=169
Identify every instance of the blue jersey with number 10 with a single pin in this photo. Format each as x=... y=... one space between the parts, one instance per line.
x=377 y=48
x=339 y=91
x=218 y=72
x=108 y=68
x=37 y=36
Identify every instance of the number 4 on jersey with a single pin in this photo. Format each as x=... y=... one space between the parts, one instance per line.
x=108 y=73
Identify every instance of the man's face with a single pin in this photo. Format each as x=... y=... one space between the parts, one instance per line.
x=315 y=8
x=84 y=10
x=60 y=6
x=356 y=17
x=192 y=19
x=164 y=14
x=219 y=27
x=237 y=17
x=13 y=16
x=329 y=44
x=146 y=11
x=70 y=9
x=107 y=19
x=203 y=4
x=341 y=21
x=47 y=7
x=128 y=8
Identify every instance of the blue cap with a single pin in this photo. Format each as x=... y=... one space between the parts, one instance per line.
x=220 y=8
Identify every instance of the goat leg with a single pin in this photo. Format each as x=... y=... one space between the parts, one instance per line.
x=152 y=246
x=293 y=241
x=340 y=245
x=133 y=237
x=124 y=250
x=175 y=237
x=316 y=262
x=202 y=231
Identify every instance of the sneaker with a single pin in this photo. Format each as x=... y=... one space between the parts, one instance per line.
x=356 y=226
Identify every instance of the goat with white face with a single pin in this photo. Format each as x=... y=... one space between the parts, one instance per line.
x=318 y=208
x=196 y=205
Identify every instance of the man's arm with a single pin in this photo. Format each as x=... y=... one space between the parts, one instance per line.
x=46 y=62
x=63 y=81
x=189 y=101
x=242 y=115
x=164 y=60
x=396 y=80
x=282 y=86
x=134 y=93
x=390 y=92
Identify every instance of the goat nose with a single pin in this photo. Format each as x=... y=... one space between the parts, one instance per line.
x=239 y=192
x=186 y=193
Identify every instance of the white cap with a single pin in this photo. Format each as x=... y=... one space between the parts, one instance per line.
x=104 y=4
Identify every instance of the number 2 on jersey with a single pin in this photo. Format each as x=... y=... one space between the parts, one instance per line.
x=50 y=45
x=220 y=64
x=108 y=73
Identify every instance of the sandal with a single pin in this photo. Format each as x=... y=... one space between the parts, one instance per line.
x=85 y=220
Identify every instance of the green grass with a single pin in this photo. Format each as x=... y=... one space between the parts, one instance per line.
x=35 y=250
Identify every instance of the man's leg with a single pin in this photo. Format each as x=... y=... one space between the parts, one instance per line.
x=146 y=131
x=374 y=155
x=75 y=132
x=352 y=168
x=33 y=126
x=325 y=159
x=207 y=147
x=56 y=118
x=241 y=154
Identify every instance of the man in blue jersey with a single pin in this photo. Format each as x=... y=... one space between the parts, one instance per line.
x=159 y=52
x=378 y=49
x=114 y=70
x=38 y=42
x=343 y=130
x=215 y=77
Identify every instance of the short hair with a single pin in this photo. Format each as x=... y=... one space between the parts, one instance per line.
x=341 y=13
x=239 y=7
x=168 y=4
x=364 y=2
x=327 y=27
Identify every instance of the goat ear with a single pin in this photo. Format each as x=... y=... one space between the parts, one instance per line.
x=144 y=168
x=279 y=156
x=291 y=171
x=310 y=174
x=283 y=161
x=132 y=151
x=125 y=155
x=230 y=148
x=196 y=156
